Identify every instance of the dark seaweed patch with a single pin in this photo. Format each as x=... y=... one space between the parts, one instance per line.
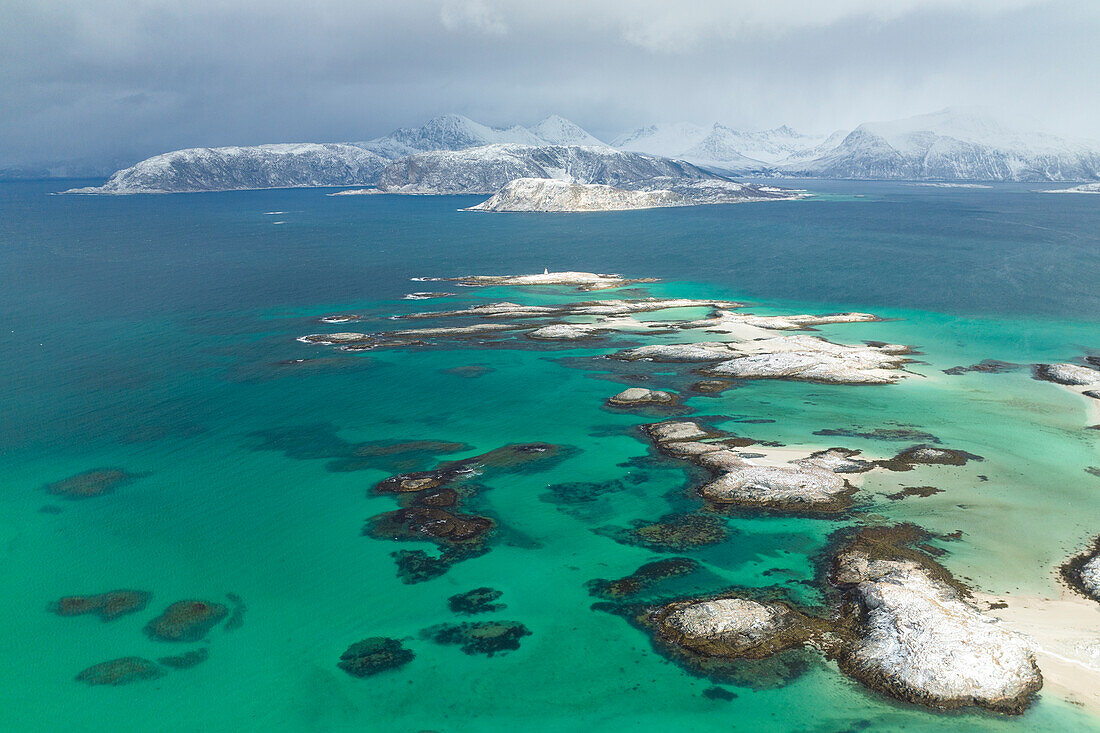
x=186 y=621
x=108 y=606
x=236 y=619
x=887 y=434
x=643 y=578
x=321 y=441
x=371 y=656
x=479 y=637
x=472 y=370
x=96 y=482
x=119 y=672
x=186 y=660
x=478 y=600
x=719 y=693
x=673 y=532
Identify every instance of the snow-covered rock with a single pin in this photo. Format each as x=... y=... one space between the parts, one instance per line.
x=786 y=486
x=1090 y=576
x=566 y=332
x=758 y=479
x=1083 y=188
x=1083 y=572
x=734 y=627
x=238 y=168
x=585 y=281
x=1069 y=374
x=919 y=640
x=784 y=357
x=552 y=195
x=641 y=396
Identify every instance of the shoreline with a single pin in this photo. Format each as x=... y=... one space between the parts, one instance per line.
x=1066 y=634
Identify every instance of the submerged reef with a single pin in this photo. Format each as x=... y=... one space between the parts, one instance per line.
x=108 y=606
x=187 y=659
x=186 y=621
x=371 y=656
x=432 y=507
x=120 y=672
x=322 y=441
x=886 y=434
x=478 y=600
x=643 y=578
x=674 y=532
x=96 y=482
x=479 y=637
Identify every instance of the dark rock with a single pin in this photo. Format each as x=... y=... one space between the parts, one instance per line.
x=927 y=455
x=712 y=386
x=986 y=366
x=921 y=491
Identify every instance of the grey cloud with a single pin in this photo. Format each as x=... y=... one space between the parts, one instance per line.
x=113 y=79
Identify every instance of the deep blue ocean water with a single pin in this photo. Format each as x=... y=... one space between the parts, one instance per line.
x=156 y=334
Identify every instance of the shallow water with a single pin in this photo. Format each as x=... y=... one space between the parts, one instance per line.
x=149 y=333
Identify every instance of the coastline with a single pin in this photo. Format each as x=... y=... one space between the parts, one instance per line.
x=1066 y=633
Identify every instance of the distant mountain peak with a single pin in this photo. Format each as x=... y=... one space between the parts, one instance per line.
x=557 y=130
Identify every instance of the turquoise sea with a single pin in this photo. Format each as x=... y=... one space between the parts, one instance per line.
x=156 y=334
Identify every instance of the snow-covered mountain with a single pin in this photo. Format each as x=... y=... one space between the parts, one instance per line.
x=488 y=168
x=952 y=144
x=718 y=146
x=333 y=164
x=455 y=132
x=948 y=145
x=241 y=168
x=666 y=139
x=557 y=130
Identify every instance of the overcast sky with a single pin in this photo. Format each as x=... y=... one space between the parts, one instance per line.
x=102 y=79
